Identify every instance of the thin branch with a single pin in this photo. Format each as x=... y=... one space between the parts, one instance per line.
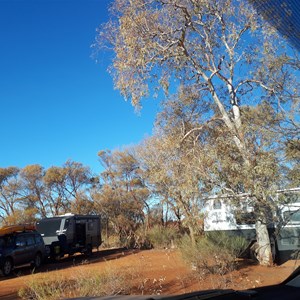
x=199 y=128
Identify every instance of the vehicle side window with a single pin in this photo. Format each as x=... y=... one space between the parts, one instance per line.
x=30 y=240
x=38 y=239
x=20 y=241
x=7 y=241
x=10 y=241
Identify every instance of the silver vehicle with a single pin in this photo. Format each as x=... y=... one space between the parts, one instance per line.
x=69 y=233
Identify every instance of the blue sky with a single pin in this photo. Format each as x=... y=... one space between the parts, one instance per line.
x=57 y=103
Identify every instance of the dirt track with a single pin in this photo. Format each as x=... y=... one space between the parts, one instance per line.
x=161 y=271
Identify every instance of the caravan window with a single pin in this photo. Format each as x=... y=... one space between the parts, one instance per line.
x=292 y=216
x=91 y=225
x=48 y=227
x=217 y=204
x=67 y=223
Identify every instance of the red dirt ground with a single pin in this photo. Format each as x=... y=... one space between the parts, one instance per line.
x=159 y=272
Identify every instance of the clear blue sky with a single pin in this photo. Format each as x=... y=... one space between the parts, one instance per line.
x=57 y=103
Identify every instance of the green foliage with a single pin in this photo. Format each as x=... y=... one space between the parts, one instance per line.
x=213 y=254
x=235 y=245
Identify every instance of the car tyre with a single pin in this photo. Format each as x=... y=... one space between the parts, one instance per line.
x=7 y=267
x=37 y=261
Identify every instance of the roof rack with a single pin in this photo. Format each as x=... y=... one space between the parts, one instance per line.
x=16 y=228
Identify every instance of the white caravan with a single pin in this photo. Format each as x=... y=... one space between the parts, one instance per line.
x=235 y=215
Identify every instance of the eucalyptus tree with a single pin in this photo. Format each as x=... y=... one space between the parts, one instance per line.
x=83 y=203
x=174 y=164
x=66 y=184
x=34 y=189
x=122 y=196
x=10 y=191
x=221 y=48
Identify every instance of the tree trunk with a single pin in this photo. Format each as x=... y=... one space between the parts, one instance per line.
x=237 y=115
x=192 y=235
x=263 y=251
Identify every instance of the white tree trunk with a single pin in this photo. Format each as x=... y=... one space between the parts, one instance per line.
x=237 y=115
x=263 y=251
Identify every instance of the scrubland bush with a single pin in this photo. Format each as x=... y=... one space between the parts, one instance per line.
x=213 y=254
x=163 y=237
x=158 y=236
x=235 y=245
x=112 y=241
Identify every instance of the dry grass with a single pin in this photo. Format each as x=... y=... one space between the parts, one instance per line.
x=84 y=283
x=111 y=280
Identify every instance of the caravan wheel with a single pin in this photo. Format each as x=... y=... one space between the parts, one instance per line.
x=89 y=250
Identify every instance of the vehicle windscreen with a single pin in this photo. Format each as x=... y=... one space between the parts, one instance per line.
x=48 y=227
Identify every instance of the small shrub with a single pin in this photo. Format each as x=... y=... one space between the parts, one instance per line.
x=212 y=254
x=111 y=241
x=235 y=245
x=142 y=240
x=163 y=237
x=111 y=282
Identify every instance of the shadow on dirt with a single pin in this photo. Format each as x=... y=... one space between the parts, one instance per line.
x=71 y=261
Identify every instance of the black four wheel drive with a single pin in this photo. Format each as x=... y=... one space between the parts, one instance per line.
x=21 y=248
